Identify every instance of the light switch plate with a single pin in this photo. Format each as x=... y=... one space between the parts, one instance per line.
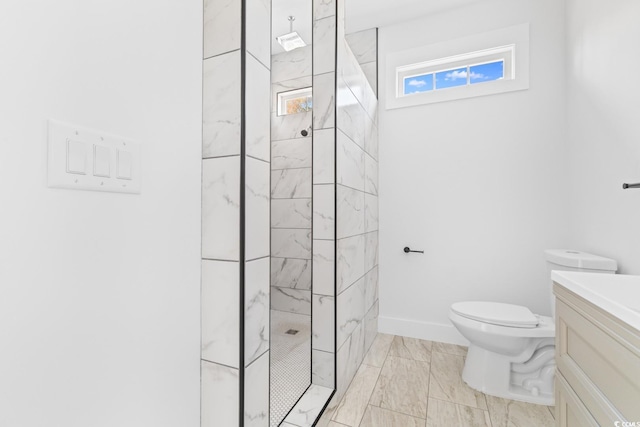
x=70 y=144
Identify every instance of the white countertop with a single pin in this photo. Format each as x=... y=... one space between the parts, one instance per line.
x=617 y=294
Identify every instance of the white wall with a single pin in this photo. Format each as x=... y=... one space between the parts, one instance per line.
x=99 y=305
x=479 y=184
x=604 y=130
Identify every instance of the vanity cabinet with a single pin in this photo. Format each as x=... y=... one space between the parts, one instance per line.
x=598 y=365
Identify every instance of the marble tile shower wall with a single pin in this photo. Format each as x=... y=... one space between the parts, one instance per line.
x=235 y=133
x=357 y=216
x=364 y=45
x=290 y=188
x=345 y=202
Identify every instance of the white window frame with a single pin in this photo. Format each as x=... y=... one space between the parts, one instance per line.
x=509 y=44
x=283 y=97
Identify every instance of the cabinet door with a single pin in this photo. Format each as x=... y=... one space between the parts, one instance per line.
x=570 y=412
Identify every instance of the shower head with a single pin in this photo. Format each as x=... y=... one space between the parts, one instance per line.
x=292 y=39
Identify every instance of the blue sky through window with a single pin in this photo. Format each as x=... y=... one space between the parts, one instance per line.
x=487 y=72
x=451 y=78
x=417 y=84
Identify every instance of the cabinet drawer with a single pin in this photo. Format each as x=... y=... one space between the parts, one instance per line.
x=595 y=365
x=570 y=411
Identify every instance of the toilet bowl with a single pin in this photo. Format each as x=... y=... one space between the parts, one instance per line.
x=511 y=350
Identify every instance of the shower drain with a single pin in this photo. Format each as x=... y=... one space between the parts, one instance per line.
x=292 y=332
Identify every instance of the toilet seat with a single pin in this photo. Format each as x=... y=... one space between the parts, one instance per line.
x=495 y=313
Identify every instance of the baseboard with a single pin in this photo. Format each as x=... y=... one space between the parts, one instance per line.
x=421 y=330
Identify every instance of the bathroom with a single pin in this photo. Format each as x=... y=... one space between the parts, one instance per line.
x=101 y=306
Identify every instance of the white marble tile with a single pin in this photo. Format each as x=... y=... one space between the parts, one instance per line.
x=257 y=224
x=371 y=288
x=349 y=357
x=291 y=300
x=446 y=382
x=371 y=326
x=256 y=393
x=342 y=366
x=351 y=253
x=324 y=45
x=350 y=310
x=371 y=175
x=350 y=162
x=291 y=273
x=363 y=44
x=350 y=115
x=291 y=184
x=291 y=213
x=258 y=30
x=308 y=408
x=324 y=211
x=370 y=103
x=221 y=208
x=324 y=156
x=286 y=86
x=291 y=243
x=371 y=139
x=323 y=323
x=220 y=302
x=322 y=368
x=219 y=395
x=323 y=8
x=222 y=24
x=350 y=212
x=291 y=65
x=256 y=309
x=257 y=106
x=370 y=213
x=291 y=153
x=324 y=101
x=221 y=100
x=323 y=267
x=370 y=70
x=350 y=70
x=290 y=126
x=371 y=250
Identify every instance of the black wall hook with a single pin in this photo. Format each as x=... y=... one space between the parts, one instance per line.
x=407 y=249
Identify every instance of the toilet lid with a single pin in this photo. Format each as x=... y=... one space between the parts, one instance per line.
x=511 y=315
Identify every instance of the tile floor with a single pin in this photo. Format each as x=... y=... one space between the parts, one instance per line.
x=405 y=382
x=290 y=362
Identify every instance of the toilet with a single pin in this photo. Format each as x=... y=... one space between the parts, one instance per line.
x=511 y=350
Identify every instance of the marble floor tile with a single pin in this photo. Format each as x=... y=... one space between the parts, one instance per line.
x=403 y=386
x=441 y=413
x=510 y=413
x=378 y=417
x=442 y=347
x=335 y=424
x=552 y=409
x=446 y=382
x=354 y=403
x=411 y=348
x=378 y=351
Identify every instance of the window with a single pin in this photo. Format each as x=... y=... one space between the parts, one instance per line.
x=295 y=101
x=482 y=64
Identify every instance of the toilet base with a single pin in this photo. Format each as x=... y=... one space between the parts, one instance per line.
x=528 y=379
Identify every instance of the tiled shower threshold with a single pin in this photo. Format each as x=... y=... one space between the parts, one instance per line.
x=309 y=408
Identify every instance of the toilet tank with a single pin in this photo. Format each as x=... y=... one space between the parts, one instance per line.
x=570 y=260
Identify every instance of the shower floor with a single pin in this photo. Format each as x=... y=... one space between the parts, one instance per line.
x=290 y=362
